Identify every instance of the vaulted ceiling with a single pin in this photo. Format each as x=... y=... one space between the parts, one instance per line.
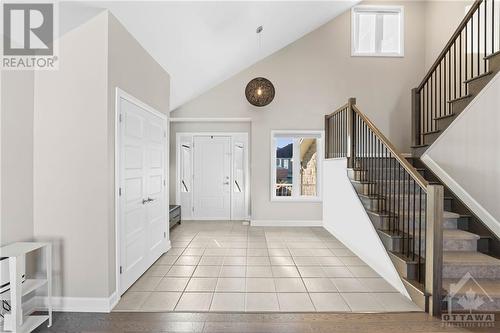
x=200 y=44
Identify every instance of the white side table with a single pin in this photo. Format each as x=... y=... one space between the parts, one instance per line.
x=16 y=253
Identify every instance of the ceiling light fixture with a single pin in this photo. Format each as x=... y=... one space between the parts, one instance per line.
x=259 y=91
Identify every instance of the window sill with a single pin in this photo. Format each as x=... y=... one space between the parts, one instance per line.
x=296 y=199
x=378 y=55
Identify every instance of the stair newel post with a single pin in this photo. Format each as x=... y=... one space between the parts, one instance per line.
x=415 y=117
x=351 y=131
x=434 y=248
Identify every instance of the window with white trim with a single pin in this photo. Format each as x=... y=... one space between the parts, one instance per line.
x=296 y=165
x=377 y=31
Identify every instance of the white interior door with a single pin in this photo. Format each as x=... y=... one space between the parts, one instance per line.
x=212 y=177
x=143 y=224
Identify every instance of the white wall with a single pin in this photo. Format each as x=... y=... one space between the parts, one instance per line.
x=16 y=156
x=312 y=77
x=467 y=155
x=345 y=217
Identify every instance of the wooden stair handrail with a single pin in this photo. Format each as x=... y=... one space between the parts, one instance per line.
x=448 y=45
x=406 y=165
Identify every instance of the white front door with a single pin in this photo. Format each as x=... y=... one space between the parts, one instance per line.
x=212 y=177
x=143 y=224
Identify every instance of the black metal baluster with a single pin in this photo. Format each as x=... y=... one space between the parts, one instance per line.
x=414 y=217
x=460 y=81
x=396 y=182
x=478 y=41
x=449 y=82
x=492 y=26
x=466 y=62
x=472 y=46
x=454 y=70
x=409 y=210
x=384 y=202
x=420 y=233
x=435 y=100
x=485 y=33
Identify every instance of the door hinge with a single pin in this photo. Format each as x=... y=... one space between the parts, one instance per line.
x=121 y=270
x=164 y=134
x=164 y=234
x=192 y=208
x=120 y=191
x=164 y=182
x=120 y=118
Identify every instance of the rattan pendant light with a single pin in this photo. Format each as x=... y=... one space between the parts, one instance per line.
x=259 y=91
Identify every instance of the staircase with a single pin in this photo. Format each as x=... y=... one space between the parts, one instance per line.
x=456 y=105
x=460 y=245
x=444 y=254
x=469 y=60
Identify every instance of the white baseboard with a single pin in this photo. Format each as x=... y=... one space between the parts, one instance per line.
x=286 y=223
x=79 y=304
x=467 y=199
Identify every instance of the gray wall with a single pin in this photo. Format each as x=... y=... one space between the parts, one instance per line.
x=312 y=77
x=133 y=70
x=442 y=19
x=74 y=148
x=71 y=161
x=16 y=157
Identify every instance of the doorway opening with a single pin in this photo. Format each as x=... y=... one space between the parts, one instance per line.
x=212 y=176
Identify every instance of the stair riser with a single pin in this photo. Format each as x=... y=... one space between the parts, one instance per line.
x=477 y=85
x=387 y=173
x=458 y=106
x=430 y=138
x=394 y=202
x=417 y=152
x=372 y=204
x=379 y=222
x=395 y=244
x=398 y=187
x=450 y=224
x=365 y=189
x=390 y=243
x=408 y=270
x=379 y=162
x=459 y=244
x=452 y=271
x=443 y=123
x=494 y=63
x=358 y=175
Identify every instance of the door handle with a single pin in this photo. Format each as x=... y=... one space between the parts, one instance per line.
x=226 y=183
x=150 y=199
x=144 y=201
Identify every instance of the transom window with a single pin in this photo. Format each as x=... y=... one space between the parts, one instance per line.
x=377 y=31
x=296 y=165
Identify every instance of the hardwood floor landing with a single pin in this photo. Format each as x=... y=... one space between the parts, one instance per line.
x=252 y=323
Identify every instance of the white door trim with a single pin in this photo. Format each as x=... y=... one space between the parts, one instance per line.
x=247 y=165
x=119 y=93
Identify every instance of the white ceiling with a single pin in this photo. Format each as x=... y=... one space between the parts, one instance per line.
x=200 y=44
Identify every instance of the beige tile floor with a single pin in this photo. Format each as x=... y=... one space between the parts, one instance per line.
x=231 y=267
